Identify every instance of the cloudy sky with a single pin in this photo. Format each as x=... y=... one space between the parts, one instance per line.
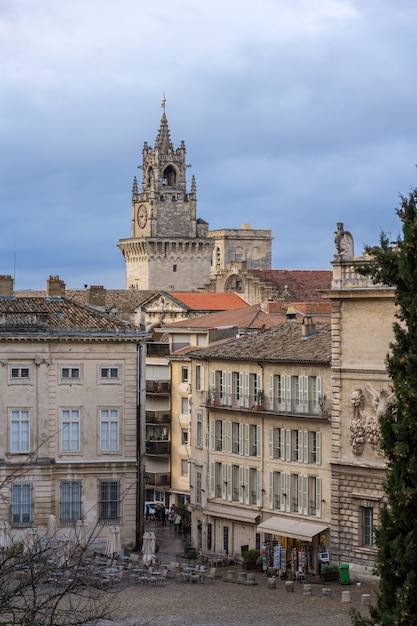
x=296 y=114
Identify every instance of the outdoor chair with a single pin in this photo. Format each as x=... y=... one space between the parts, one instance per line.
x=211 y=576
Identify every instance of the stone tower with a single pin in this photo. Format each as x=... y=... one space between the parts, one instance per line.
x=169 y=248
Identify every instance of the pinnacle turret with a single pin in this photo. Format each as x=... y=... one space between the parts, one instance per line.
x=163 y=140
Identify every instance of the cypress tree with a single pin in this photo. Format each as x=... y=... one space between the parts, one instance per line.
x=395 y=264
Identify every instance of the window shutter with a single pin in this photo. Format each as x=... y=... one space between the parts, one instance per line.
x=246 y=440
x=288 y=492
x=258 y=487
x=271 y=392
x=288 y=393
x=241 y=490
x=305 y=393
x=224 y=480
x=246 y=394
x=230 y=482
x=305 y=446
x=287 y=444
x=318 y=497
x=229 y=388
x=212 y=480
x=282 y=486
x=246 y=490
x=300 y=448
x=259 y=440
x=212 y=434
x=240 y=387
x=305 y=494
x=213 y=380
x=282 y=444
x=240 y=435
x=271 y=490
x=223 y=435
x=300 y=493
x=271 y=443
x=318 y=448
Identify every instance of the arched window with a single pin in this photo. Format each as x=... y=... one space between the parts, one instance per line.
x=169 y=178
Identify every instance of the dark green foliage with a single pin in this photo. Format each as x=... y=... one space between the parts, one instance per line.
x=395 y=264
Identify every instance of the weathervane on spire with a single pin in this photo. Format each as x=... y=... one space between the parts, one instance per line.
x=163 y=102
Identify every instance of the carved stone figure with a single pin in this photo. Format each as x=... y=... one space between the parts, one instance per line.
x=365 y=421
x=344 y=243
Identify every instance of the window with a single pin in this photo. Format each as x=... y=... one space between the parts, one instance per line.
x=184 y=374
x=109 y=373
x=198 y=480
x=184 y=436
x=367 y=526
x=199 y=433
x=218 y=435
x=174 y=268
x=275 y=443
x=19 y=373
x=198 y=377
x=109 y=500
x=21 y=503
x=236 y=438
x=254 y=440
x=184 y=468
x=274 y=490
x=109 y=430
x=314 y=446
x=209 y=535
x=70 y=373
x=226 y=539
x=70 y=501
x=19 y=430
x=70 y=430
x=185 y=406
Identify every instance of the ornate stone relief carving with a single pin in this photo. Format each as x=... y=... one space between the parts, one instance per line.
x=367 y=409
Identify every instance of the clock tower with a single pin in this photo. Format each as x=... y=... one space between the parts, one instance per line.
x=169 y=248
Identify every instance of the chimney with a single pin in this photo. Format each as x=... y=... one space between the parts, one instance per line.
x=6 y=286
x=308 y=327
x=55 y=287
x=96 y=296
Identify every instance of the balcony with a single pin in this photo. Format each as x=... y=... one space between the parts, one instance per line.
x=158 y=447
x=161 y=387
x=158 y=417
x=158 y=479
x=248 y=404
x=154 y=348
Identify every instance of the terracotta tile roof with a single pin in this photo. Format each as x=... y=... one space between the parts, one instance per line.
x=254 y=316
x=200 y=301
x=122 y=301
x=49 y=315
x=300 y=285
x=283 y=343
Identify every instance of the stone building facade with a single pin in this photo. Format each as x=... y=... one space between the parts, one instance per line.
x=260 y=442
x=362 y=319
x=69 y=381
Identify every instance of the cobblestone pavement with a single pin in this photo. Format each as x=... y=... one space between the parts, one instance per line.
x=231 y=604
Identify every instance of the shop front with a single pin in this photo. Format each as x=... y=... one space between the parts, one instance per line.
x=292 y=547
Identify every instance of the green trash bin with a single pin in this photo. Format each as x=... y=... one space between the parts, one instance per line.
x=344 y=574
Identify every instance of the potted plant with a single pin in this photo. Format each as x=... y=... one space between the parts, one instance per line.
x=329 y=572
x=250 y=558
x=322 y=400
x=260 y=396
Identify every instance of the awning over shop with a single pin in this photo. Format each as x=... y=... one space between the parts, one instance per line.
x=233 y=513
x=295 y=529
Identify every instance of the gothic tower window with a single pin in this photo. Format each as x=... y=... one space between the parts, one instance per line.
x=169 y=178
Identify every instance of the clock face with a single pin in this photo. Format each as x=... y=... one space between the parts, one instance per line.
x=142 y=216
